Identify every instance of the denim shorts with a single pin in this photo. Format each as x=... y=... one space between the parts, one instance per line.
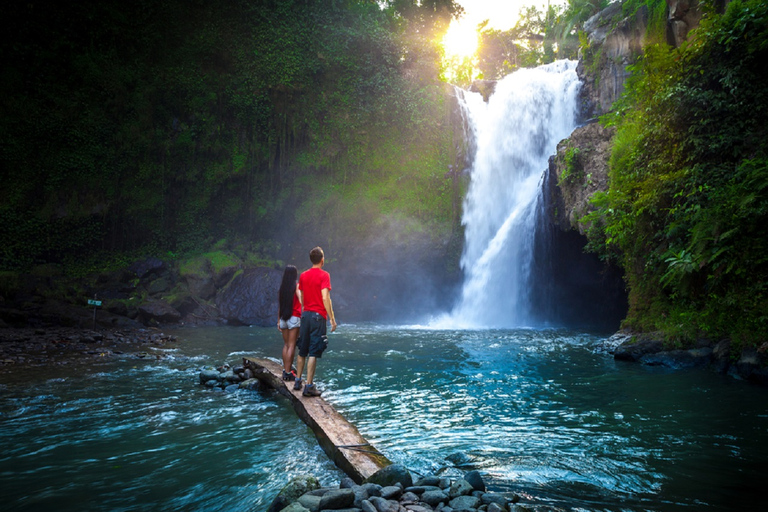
x=312 y=336
x=292 y=323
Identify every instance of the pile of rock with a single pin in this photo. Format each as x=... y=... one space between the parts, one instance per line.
x=393 y=490
x=228 y=378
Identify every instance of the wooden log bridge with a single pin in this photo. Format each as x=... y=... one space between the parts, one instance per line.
x=338 y=438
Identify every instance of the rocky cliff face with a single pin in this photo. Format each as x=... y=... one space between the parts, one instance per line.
x=616 y=41
x=579 y=169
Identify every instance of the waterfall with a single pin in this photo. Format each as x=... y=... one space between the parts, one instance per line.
x=514 y=133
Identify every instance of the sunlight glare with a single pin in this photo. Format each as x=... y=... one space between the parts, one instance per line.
x=461 y=39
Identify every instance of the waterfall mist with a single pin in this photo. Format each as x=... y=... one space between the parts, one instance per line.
x=514 y=133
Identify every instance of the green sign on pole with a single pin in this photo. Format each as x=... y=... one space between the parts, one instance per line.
x=92 y=302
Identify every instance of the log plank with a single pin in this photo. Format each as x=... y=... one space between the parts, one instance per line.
x=340 y=440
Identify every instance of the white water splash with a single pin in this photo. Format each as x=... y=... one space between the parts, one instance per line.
x=518 y=129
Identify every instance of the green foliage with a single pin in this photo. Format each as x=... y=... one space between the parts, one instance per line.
x=156 y=127
x=573 y=165
x=539 y=37
x=688 y=202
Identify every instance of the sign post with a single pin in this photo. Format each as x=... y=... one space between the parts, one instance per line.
x=95 y=303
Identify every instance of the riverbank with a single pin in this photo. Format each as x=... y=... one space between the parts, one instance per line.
x=60 y=346
x=743 y=363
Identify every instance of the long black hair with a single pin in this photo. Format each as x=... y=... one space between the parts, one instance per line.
x=287 y=292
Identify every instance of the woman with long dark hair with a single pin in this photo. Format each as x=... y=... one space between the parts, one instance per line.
x=289 y=317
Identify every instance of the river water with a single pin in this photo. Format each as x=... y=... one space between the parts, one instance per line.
x=539 y=412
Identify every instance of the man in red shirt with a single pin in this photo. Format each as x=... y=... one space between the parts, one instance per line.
x=317 y=309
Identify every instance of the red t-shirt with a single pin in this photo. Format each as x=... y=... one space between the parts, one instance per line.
x=311 y=284
x=296 y=306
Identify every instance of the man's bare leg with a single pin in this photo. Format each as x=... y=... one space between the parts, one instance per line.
x=311 y=365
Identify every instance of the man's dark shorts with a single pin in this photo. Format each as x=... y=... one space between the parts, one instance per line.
x=312 y=335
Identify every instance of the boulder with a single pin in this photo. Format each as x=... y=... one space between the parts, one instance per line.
x=391 y=492
x=694 y=358
x=464 y=503
x=391 y=475
x=202 y=286
x=295 y=507
x=434 y=498
x=460 y=487
x=159 y=311
x=383 y=505
x=635 y=349
x=251 y=298
x=310 y=501
x=158 y=286
x=207 y=375
x=143 y=268
x=337 y=499
x=475 y=480
x=289 y=494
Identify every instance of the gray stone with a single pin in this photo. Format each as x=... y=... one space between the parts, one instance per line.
x=464 y=503
x=347 y=483
x=360 y=495
x=372 y=489
x=492 y=497
x=419 y=508
x=460 y=487
x=421 y=489
x=429 y=480
x=475 y=480
x=337 y=499
x=409 y=497
x=310 y=502
x=297 y=487
x=433 y=498
x=383 y=505
x=392 y=475
x=229 y=376
x=295 y=507
x=367 y=506
x=211 y=383
x=391 y=492
x=322 y=491
x=495 y=507
x=250 y=384
x=207 y=375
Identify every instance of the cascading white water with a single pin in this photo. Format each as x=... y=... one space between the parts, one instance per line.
x=518 y=129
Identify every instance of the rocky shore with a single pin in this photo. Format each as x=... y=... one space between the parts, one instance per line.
x=744 y=363
x=61 y=346
x=393 y=490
